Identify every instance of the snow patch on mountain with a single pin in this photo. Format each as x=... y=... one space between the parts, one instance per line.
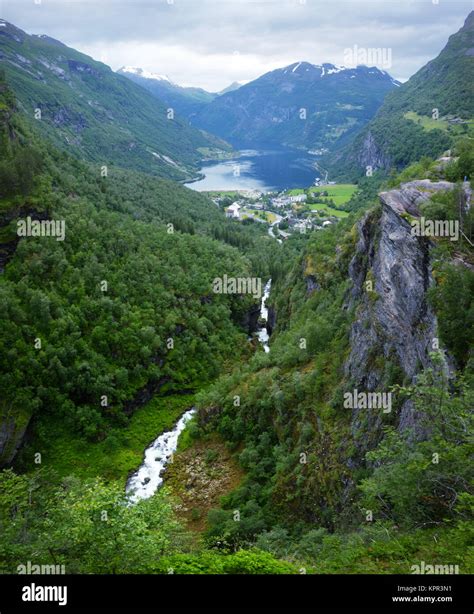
x=146 y=74
x=328 y=69
x=336 y=69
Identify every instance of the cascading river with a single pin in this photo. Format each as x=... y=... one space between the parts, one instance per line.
x=149 y=476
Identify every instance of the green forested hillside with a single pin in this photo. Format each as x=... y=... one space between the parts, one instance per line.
x=92 y=316
x=343 y=491
x=186 y=100
x=95 y=113
x=84 y=344
x=399 y=134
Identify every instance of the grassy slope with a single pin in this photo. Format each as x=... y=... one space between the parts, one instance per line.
x=428 y=123
x=340 y=193
x=329 y=210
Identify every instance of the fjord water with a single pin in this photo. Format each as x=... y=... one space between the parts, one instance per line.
x=259 y=170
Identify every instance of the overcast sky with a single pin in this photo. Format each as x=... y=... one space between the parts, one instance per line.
x=211 y=43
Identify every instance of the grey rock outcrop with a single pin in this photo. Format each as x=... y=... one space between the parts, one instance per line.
x=311 y=284
x=371 y=155
x=394 y=326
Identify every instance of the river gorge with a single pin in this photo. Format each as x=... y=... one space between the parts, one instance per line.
x=149 y=477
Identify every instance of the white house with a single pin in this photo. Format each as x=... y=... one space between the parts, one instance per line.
x=233 y=211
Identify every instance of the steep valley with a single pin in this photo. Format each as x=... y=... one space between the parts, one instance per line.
x=321 y=380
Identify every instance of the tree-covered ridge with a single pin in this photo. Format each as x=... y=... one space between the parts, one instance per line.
x=18 y=164
x=96 y=114
x=123 y=309
x=125 y=302
x=446 y=80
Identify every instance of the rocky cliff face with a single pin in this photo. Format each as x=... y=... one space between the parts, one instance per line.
x=395 y=329
x=7 y=221
x=371 y=155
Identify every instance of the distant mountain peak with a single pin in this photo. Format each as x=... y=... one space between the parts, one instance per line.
x=298 y=67
x=184 y=100
x=13 y=32
x=337 y=100
x=146 y=74
x=231 y=88
x=326 y=69
x=469 y=23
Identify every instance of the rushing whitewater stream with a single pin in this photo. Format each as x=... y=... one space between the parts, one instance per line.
x=149 y=476
x=146 y=481
x=262 y=332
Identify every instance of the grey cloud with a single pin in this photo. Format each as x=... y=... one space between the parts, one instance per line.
x=196 y=41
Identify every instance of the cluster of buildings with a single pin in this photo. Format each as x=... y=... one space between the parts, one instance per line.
x=291 y=220
x=285 y=201
x=303 y=225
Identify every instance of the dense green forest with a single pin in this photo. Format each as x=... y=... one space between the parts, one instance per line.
x=83 y=318
x=298 y=446
x=92 y=327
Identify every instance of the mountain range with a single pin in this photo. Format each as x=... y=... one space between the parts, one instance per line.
x=142 y=120
x=96 y=114
x=187 y=101
x=359 y=117
x=301 y=105
x=356 y=117
x=110 y=335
